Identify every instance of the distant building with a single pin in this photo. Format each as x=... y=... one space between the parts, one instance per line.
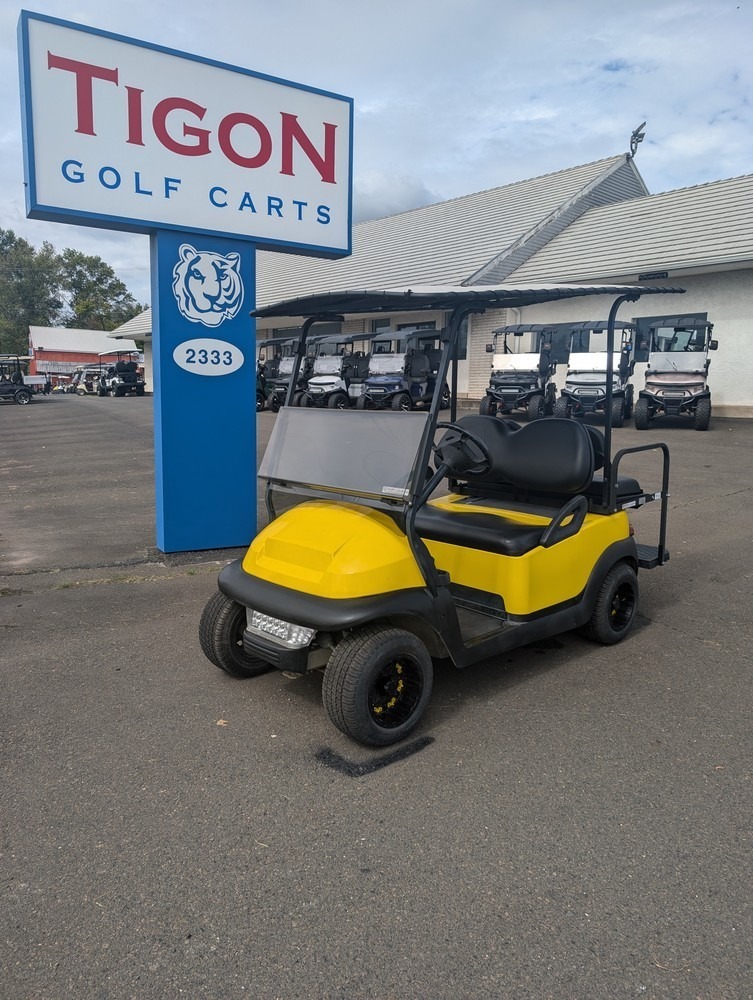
x=591 y=224
x=59 y=350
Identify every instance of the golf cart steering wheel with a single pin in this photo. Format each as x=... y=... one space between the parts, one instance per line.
x=462 y=451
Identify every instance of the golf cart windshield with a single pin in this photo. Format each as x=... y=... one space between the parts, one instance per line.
x=669 y=340
x=286 y=365
x=370 y=454
x=387 y=364
x=327 y=365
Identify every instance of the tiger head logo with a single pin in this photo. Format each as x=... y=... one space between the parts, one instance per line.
x=207 y=286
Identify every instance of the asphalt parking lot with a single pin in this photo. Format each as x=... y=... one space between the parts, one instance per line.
x=568 y=822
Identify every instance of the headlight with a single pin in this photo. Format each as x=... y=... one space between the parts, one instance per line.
x=287 y=633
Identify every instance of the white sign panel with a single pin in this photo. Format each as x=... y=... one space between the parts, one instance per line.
x=126 y=135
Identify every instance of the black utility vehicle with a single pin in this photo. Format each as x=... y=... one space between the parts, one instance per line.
x=677 y=373
x=13 y=388
x=403 y=368
x=520 y=381
x=339 y=373
x=121 y=377
x=585 y=389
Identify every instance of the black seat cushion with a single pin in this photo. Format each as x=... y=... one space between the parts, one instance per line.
x=552 y=455
x=473 y=530
x=626 y=487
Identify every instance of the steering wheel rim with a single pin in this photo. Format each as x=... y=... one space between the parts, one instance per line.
x=480 y=468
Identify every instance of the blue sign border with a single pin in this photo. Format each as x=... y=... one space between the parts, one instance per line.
x=51 y=213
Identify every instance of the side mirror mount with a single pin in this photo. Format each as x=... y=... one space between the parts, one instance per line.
x=490 y=348
x=713 y=345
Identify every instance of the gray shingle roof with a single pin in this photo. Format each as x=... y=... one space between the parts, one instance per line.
x=444 y=243
x=710 y=225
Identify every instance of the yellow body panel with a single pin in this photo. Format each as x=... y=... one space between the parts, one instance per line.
x=540 y=578
x=336 y=550
x=341 y=551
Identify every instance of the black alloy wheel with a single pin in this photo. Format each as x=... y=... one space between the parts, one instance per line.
x=615 y=606
x=377 y=684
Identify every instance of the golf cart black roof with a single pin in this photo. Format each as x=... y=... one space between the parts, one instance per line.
x=600 y=325
x=681 y=323
x=524 y=328
x=276 y=341
x=425 y=297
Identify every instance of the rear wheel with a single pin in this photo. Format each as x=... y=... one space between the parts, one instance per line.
x=561 y=408
x=641 y=415
x=487 y=407
x=221 y=637
x=363 y=402
x=273 y=402
x=702 y=415
x=377 y=684
x=22 y=396
x=402 y=401
x=338 y=401
x=615 y=606
x=302 y=399
x=536 y=408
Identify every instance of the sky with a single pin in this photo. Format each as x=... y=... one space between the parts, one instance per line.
x=450 y=96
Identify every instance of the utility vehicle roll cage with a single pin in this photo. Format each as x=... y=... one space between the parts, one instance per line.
x=461 y=302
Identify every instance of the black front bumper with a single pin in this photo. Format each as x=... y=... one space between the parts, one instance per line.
x=323 y=613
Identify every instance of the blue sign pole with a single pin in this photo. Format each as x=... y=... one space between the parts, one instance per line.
x=204 y=343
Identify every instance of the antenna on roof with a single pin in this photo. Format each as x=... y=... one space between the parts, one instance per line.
x=637 y=136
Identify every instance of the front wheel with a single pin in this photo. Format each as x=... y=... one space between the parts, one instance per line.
x=363 y=402
x=221 y=638
x=338 y=401
x=402 y=401
x=615 y=606
x=536 y=408
x=446 y=399
x=22 y=396
x=273 y=402
x=702 y=415
x=641 y=415
x=617 y=415
x=487 y=407
x=377 y=684
x=561 y=408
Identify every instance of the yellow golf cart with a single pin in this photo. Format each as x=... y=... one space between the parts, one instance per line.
x=367 y=571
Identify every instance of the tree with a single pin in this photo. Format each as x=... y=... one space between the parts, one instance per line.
x=95 y=298
x=30 y=291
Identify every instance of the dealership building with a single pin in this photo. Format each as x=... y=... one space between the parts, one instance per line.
x=590 y=224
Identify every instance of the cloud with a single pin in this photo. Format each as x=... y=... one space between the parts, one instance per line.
x=451 y=96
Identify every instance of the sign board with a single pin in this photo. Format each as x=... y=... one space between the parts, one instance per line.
x=122 y=134
x=212 y=162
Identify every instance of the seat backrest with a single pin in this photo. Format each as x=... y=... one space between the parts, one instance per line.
x=551 y=455
x=418 y=366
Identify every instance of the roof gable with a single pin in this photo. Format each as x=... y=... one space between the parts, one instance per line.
x=706 y=227
x=452 y=241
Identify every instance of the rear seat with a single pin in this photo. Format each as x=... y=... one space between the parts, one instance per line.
x=551 y=460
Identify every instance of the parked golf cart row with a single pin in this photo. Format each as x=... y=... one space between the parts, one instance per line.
x=398 y=371
x=119 y=376
x=676 y=381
